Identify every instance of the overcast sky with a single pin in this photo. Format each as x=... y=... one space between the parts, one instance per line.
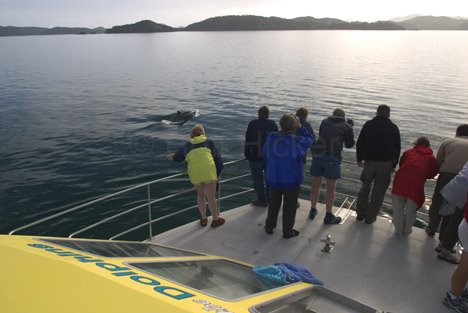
x=108 y=13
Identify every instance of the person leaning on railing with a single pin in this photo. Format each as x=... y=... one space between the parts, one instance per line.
x=416 y=165
x=334 y=133
x=452 y=155
x=204 y=165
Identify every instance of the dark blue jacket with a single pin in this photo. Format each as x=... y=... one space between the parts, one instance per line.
x=283 y=154
x=255 y=137
x=334 y=132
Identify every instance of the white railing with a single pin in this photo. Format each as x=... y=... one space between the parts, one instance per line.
x=150 y=202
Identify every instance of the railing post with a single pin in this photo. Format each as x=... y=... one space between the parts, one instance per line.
x=219 y=196
x=149 y=213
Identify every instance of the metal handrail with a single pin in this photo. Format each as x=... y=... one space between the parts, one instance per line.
x=129 y=211
x=150 y=202
x=48 y=218
x=173 y=214
x=112 y=195
x=150 y=222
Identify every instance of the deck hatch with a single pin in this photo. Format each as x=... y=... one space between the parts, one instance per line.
x=118 y=249
x=218 y=278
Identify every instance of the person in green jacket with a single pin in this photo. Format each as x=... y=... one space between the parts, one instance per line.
x=204 y=165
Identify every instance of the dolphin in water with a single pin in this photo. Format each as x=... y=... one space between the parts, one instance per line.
x=180 y=117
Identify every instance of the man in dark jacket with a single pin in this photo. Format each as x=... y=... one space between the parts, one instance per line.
x=255 y=138
x=379 y=146
x=302 y=113
x=326 y=161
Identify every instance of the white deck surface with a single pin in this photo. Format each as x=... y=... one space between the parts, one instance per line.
x=368 y=264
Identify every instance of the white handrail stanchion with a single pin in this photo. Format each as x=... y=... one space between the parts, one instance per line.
x=149 y=213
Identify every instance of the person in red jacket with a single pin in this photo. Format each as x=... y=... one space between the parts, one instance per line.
x=416 y=165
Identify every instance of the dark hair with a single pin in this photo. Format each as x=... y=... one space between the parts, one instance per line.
x=339 y=112
x=383 y=110
x=263 y=112
x=289 y=123
x=422 y=141
x=302 y=112
x=462 y=130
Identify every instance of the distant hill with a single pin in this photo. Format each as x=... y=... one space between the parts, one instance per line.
x=252 y=22
x=404 y=18
x=435 y=23
x=25 y=31
x=145 y=26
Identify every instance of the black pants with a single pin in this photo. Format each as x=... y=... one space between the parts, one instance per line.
x=434 y=216
x=449 y=229
x=289 y=208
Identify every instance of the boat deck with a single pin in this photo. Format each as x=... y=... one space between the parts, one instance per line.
x=368 y=263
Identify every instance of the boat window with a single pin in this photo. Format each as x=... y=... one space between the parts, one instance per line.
x=121 y=249
x=218 y=278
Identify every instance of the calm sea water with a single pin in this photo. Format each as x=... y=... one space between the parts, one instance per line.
x=80 y=116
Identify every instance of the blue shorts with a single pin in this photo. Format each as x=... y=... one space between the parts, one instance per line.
x=326 y=166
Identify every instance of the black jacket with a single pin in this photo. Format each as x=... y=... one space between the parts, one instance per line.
x=379 y=140
x=333 y=133
x=255 y=137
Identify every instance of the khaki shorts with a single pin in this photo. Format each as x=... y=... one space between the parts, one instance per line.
x=463 y=233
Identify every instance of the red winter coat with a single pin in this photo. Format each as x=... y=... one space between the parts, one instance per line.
x=416 y=165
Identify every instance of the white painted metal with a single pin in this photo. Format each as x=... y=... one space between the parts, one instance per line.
x=368 y=263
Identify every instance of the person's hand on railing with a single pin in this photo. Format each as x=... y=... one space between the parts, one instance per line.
x=170 y=156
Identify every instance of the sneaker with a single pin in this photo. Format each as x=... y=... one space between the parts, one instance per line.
x=464 y=295
x=438 y=249
x=313 y=213
x=370 y=220
x=260 y=203
x=456 y=304
x=331 y=219
x=216 y=223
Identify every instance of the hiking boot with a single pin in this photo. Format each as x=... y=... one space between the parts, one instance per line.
x=456 y=304
x=260 y=203
x=313 y=213
x=331 y=219
x=430 y=232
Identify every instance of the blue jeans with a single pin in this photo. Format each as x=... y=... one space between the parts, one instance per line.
x=257 y=170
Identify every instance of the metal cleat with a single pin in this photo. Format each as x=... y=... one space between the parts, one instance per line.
x=329 y=243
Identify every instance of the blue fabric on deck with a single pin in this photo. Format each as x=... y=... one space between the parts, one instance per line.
x=285 y=273
x=272 y=273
